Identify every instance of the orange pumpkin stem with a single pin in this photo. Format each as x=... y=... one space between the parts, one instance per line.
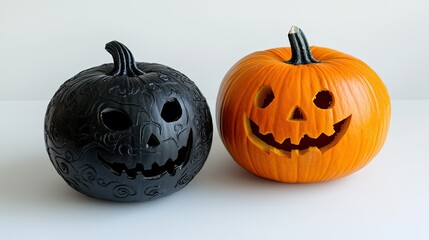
x=301 y=53
x=123 y=60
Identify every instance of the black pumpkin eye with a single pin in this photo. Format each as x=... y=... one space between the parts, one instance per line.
x=115 y=119
x=324 y=99
x=264 y=97
x=171 y=111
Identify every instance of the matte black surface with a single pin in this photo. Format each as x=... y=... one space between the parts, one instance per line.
x=128 y=131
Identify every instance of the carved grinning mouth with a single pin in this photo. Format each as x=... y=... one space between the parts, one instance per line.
x=323 y=142
x=155 y=171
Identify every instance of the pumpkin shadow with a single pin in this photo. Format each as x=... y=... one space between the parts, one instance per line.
x=33 y=183
x=222 y=172
x=24 y=180
x=224 y=175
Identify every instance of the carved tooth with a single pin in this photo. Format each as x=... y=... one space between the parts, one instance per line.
x=155 y=166
x=169 y=167
x=295 y=139
x=330 y=131
x=131 y=173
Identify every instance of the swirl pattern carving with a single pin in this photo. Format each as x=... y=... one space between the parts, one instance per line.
x=144 y=160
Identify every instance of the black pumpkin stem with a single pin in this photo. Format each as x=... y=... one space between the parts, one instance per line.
x=301 y=53
x=123 y=60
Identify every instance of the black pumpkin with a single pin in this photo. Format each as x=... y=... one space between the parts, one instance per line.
x=128 y=131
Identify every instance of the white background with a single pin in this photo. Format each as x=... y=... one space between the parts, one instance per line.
x=44 y=43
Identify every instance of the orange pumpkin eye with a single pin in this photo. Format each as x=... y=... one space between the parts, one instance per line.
x=264 y=97
x=324 y=99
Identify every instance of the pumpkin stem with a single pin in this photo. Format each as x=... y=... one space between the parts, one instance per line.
x=123 y=60
x=301 y=53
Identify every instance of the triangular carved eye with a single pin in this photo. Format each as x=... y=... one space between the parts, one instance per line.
x=153 y=141
x=297 y=114
x=115 y=119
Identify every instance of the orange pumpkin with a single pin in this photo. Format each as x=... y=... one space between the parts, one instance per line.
x=291 y=117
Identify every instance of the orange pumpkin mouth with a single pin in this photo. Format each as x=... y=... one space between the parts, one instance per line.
x=323 y=142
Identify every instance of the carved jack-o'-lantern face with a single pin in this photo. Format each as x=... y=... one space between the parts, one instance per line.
x=159 y=133
x=323 y=100
x=302 y=120
x=128 y=131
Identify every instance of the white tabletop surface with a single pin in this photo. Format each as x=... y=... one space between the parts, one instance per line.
x=388 y=199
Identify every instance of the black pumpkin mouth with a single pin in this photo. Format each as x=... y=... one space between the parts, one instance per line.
x=155 y=171
x=323 y=142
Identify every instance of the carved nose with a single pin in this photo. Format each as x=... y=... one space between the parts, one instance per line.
x=297 y=114
x=152 y=142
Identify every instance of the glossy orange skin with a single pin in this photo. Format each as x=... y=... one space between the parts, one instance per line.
x=357 y=90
